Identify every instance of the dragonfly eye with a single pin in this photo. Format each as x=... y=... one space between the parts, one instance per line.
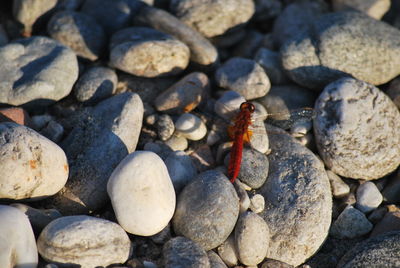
x=247 y=106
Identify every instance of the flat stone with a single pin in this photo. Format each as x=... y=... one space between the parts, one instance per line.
x=351 y=223
x=357 y=130
x=338 y=186
x=181 y=169
x=374 y=8
x=368 y=197
x=177 y=143
x=142 y=206
x=191 y=127
x=33 y=167
x=227 y=251
x=84 y=240
x=215 y=260
x=53 y=131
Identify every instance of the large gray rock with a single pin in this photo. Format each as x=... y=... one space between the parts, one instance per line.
x=343 y=44
x=298 y=201
x=36 y=70
x=357 y=130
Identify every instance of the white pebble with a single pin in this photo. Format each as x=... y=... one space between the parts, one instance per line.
x=191 y=127
x=338 y=186
x=257 y=203
x=227 y=251
x=228 y=104
x=142 y=193
x=368 y=197
x=17 y=241
x=177 y=143
x=180 y=168
x=259 y=139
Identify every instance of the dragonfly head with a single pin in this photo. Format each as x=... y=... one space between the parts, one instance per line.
x=247 y=106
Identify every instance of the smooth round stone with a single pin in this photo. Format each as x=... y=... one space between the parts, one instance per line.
x=78 y=31
x=142 y=206
x=207 y=209
x=338 y=186
x=181 y=169
x=84 y=240
x=227 y=251
x=17 y=243
x=244 y=76
x=271 y=62
x=388 y=223
x=212 y=18
x=259 y=137
x=377 y=215
x=215 y=260
x=53 y=131
x=244 y=200
x=36 y=70
x=374 y=8
x=351 y=223
x=163 y=236
x=202 y=51
x=191 y=127
x=95 y=84
x=251 y=238
x=257 y=203
x=146 y=52
x=227 y=106
x=380 y=251
x=357 y=130
x=315 y=58
x=165 y=127
x=181 y=252
x=394 y=91
x=183 y=96
x=368 y=197
x=298 y=205
x=177 y=143
x=33 y=167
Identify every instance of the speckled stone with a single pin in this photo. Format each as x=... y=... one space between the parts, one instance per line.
x=374 y=8
x=368 y=197
x=351 y=223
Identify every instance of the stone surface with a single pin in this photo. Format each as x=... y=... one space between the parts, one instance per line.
x=212 y=18
x=374 y=8
x=33 y=167
x=177 y=143
x=271 y=62
x=227 y=106
x=202 y=51
x=207 y=210
x=391 y=192
x=244 y=200
x=53 y=131
x=316 y=57
x=257 y=203
x=16 y=115
x=267 y=9
x=191 y=127
x=357 y=130
x=146 y=52
x=181 y=252
x=351 y=223
x=185 y=95
x=101 y=138
x=96 y=84
x=298 y=202
x=248 y=46
x=181 y=169
x=390 y=222
x=251 y=238
x=17 y=241
x=36 y=70
x=338 y=186
x=394 y=91
x=215 y=260
x=380 y=251
x=142 y=206
x=227 y=251
x=78 y=31
x=165 y=127
x=368 y=197
x=84 y=240
x=244 y=76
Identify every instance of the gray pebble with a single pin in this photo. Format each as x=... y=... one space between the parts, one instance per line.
x=391 y=192
x=177 y=143
x=227 y=251
x=297 y=204
x=338 y=186
x=227 y=40
x=215 y=260
x=271 y=62
x=368 y=197
x=159 y=148
x=181 y=169
x=211 y=18
x=78 y=31
x=95 y=84
x=40 y=121
x=351 y=223
x=315 y=58
x=257 y=203
x=277 y=264
x=165 y=127
x=267 y=9
x=357 y=130
x=374 y=8
x=53 y=131
x=202 y=51
x=244 y=200
x=207 y=209
x=248 y=46
x=380 y=251
x=388 y=223
x=243 y=76
x=68 y=4
x=227 y=106
x=163 y=236
x=36 y=70
x=146 y=52
x=181 y=252
x=377 y=215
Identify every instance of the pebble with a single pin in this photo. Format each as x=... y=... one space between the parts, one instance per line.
x=300 y=128
x=338 y=186
x=177 y=143
x=267 y=9
x=207 y=210
x=210 y=18
x=251 y=238
x=259 y=138
x=391 y=192
x=215 y=260
x=165 y=127
x=69 y=4
x=244 y=200
x=357 y=130
x=202 y=157
x=163 y=236
x=298 y=211
x=271 y=62
x=28 y=12
x=202 y=51
x=390 y=222
x=375 y=43
x=380 y=251
x=394 y=91
x=100 y=139
x=257 y=203
x=96 y=84
x=84 y=240
x=351 y=223
x=142 y=206
x=276 y=264
x=191 y=127
x=181 y=169
x=21 y=82
x=374 y=8
x=181 y=252
x=40 y=121
x=18 y=243
x=17 y=115
x=368 y=197
x=227 y=106
x=53 y=131
x=244 y=76
x=33 y=167
x=247 y=47
x=183 y=96
x=377 y=215
x=78 y=31
x=227 y=251
x=146 y=52
x=158 y=148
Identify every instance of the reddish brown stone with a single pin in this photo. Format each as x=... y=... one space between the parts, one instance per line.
x=16 y=115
